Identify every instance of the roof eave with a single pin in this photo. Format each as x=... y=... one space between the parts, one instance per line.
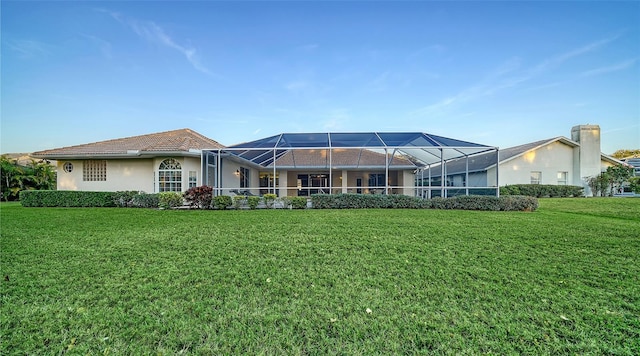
x=127 y=155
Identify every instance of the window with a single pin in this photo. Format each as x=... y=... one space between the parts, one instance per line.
x=94 y=170
x=536 y=177
x=193 y=179
x=244 y=177
x=562 y=178
x=68 y=167
x=266 y=181
x=377 y=180
x=170 y=176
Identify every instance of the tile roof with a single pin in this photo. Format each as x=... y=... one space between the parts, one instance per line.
x=182 y=140
x=340 y=158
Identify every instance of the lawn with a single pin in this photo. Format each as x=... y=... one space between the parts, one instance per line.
x=563 y=279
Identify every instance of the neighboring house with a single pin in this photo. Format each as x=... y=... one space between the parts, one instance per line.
x=556 y=161
x=635 y=163
x=165 y=161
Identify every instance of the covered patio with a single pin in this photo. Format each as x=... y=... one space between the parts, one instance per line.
x=301 y=164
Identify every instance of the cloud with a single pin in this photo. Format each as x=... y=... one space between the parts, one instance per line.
x=27 y=49
x=151 y=32
x=557 y=60
x=612 y=68
x=508 y=75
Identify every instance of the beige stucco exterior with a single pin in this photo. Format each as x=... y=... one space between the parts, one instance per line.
x=549 y=160
x=140 y=174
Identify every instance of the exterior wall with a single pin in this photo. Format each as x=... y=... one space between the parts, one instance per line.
x=125 y=174
x=551 y=159
x=407 y=179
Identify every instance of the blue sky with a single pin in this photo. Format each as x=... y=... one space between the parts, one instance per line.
x=497 y=73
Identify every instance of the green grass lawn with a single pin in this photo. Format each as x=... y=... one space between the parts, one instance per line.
x=563 y=279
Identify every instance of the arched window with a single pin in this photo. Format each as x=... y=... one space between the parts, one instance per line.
x=170 y=176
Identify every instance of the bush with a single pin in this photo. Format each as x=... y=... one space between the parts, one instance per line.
x=239 y=201
x=199 y=197
x=170 y=200
x=143 y=200
x=298 y=202
x=222 y=202
x=66 y=198
x=542 y=190
x=464 y=202
x=124 y=199
x=269 y=199
x=253 y=202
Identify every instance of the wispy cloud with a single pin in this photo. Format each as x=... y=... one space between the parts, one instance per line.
x=557 y=60
x=151 y=32
x=509 y=75
x=27 y=49
x=612 y=68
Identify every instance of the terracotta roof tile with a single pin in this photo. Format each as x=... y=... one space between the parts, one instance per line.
x=181 y=140
x=339 y=158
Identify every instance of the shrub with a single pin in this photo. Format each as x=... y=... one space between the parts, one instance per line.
x=269 y=199
x=144 y=200
x=239 y=201
x=66 y=198
x=299 y=202
x=170 y=200
x=253 y=202
x=464 y=202
x=518 y=203
x=542 y=190
x=124 y=199
x=222 y=202
x=199 y=197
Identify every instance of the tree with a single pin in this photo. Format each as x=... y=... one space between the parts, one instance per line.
x=15 y=177
x=619 y=154
x=606 y=182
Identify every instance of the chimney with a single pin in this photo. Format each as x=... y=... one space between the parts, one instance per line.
x=587 y=162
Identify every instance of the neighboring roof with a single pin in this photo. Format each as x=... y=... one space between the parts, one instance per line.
x=420 y=147
x=482 y=162
x=183 y=141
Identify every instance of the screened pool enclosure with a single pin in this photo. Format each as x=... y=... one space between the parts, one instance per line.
x=301 y=164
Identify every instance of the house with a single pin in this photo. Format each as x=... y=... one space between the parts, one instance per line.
x=556 y=161
x=301 y=164
x=159 y=162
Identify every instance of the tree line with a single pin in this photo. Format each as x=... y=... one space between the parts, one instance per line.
x=14 y=177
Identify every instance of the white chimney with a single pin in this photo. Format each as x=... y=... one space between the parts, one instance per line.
x=587 y=161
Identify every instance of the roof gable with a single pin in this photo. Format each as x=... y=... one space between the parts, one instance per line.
x=176 y=141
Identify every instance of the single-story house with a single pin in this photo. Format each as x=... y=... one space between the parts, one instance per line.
x=301 y=164
x=556 y=161
x=159 y=162
x=289 y=164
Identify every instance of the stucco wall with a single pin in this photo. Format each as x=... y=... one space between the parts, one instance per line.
x=125 y=174
x=550 y=159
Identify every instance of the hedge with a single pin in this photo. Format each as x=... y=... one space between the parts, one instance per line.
x=464 y=202
x=542 y=190
x=66 y=198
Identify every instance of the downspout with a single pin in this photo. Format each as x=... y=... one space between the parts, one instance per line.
x=443 y=192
